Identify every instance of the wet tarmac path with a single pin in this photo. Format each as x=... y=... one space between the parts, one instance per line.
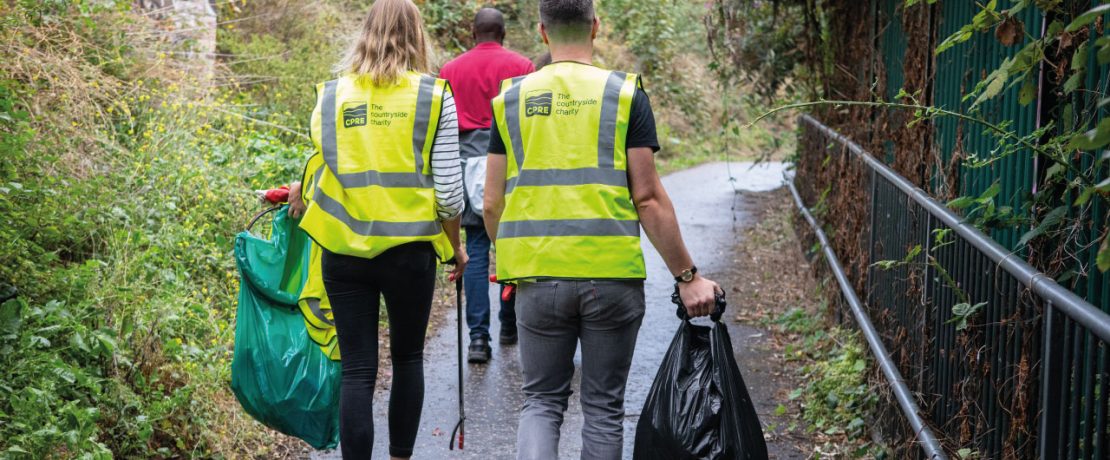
x=709 y=211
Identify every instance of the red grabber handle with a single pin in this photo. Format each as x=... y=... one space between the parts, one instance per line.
x=276 y=196
x=460 y=440
x=451 y=276
x=507 y=291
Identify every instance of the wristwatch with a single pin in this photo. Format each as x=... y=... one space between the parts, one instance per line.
x=687 y=275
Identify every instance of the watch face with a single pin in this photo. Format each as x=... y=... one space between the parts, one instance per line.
x=687 y=276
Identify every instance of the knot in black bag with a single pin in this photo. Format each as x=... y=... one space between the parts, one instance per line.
x=699 y=407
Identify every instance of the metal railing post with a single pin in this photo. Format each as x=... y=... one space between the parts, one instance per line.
x=1052 y=370
x=871 y=241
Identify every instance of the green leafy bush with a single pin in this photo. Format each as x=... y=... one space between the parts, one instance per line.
x=837 y=399
x=122 y=187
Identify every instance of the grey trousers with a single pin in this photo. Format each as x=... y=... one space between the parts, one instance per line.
x=553 y=317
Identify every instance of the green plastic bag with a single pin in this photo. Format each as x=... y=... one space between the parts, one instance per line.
x=280 y=377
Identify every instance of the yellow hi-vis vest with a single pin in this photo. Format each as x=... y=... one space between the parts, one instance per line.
x=314 y=304
x=568 y=209
x=375 y=189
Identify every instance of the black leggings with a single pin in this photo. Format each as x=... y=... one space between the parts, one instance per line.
x=405 y=276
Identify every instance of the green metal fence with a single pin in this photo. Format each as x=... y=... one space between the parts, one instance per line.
x=1023 y=379
x=1015 y=379
x=891 y=34
x=958 y=70
x=1081 y=363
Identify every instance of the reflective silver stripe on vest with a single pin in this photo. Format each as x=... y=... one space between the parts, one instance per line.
x=512 y=117
x=314 y=306
x=384 y=179
x=420 y=129
x=329 y=145
x=569 y=227
x=328 y=142
x=607 y=129
x=584 y=176
x=373 y=228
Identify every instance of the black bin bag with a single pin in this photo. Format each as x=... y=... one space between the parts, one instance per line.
x=699 y=407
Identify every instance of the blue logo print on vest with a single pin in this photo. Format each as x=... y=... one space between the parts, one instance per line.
x=354 y=114
x=538 y=102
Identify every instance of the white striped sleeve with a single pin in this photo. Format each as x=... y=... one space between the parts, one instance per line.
x=446 y=164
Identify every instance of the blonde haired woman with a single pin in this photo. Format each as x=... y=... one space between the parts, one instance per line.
x=384 y=209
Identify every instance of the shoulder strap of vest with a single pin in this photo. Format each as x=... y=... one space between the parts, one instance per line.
x=510 y=94
x=441 y=88
x=509 y=82
x=328 y=142
x=425 y=98
x=610 y=111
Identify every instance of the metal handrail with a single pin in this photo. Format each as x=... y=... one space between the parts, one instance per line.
x=1067 y=302
x=902 y=392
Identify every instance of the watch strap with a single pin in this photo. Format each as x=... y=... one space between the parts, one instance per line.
x=681 y=278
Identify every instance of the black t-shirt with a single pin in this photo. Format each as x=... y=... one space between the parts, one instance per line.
x=641 y=127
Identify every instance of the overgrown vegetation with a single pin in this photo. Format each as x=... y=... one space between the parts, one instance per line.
x=123 y=183
x=837 y=399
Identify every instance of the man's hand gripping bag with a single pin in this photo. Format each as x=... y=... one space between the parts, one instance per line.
x=699 y=407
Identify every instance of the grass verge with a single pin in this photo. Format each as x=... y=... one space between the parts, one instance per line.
x=829 y=402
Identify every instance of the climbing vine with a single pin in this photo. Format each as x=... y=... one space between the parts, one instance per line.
x=1076 y=142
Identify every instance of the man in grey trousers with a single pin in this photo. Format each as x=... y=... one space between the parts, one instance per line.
x=571 y=179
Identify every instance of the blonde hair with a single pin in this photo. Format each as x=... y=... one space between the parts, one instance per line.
x=390 y=43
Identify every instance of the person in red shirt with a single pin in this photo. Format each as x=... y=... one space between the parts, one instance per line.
x=475 y=78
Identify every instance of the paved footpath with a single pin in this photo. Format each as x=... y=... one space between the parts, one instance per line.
x=709 y=212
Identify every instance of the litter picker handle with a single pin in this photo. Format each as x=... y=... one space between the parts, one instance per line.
x=681 y=313
x=460 y=427
x=260 y=215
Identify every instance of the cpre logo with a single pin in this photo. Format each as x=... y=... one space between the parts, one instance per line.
x=354 y=114
x=538 y=102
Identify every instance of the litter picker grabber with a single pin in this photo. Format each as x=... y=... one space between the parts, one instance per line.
x=460 y=427
x=508 y=290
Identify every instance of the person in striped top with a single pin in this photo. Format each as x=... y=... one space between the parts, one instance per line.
x=382 y=240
